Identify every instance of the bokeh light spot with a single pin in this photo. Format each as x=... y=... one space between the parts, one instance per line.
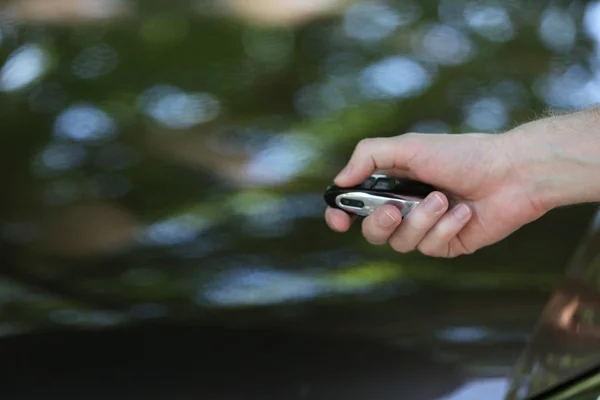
x=487 y=114
x=394 y=77
x=24 y=66
x=489 y=21
x=557 y=30
x=84 y=122
x=176 y=109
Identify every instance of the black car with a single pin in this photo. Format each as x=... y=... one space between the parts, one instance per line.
x=162 y=168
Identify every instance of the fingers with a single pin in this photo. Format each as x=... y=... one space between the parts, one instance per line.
x=338 y=220
x=441 y=240
x=418 y=222
x=379 y=153
x=381 y=224
x=430 y=227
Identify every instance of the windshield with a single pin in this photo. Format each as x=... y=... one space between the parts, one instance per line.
x=163 y=164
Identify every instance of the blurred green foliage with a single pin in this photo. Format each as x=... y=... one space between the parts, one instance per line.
x=169 y=165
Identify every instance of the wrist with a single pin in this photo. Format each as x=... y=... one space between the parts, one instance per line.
x=556 y=160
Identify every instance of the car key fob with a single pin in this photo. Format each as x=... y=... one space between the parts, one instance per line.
x=376 y=191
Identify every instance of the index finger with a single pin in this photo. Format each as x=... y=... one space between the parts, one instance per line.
x=376 y=153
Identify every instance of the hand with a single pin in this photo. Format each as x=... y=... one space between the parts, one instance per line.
x=475 y=170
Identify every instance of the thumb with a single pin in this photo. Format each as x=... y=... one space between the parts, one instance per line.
x=376 y=153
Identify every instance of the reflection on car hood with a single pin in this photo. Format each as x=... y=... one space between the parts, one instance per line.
x=162 y=168
x=567 y=341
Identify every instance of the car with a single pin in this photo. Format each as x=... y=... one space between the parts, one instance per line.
x=162 y=169
x=563 y=359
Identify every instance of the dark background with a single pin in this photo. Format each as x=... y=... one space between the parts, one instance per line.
x=162 y=166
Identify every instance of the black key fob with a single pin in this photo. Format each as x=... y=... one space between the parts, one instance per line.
x=376 y=191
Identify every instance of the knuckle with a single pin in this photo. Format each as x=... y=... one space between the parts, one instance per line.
x=370 y=238
x=401 y=246
x=453 y=253
x=467 y=251
x=411 y=137
x=430 y=251
x=449 y=253
x=375 y=241
x=364 y=144
x=371 y=234
x=458 y=247
x=445 y=235
x=418 y=220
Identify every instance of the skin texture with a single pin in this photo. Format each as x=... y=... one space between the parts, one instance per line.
x=490 y=184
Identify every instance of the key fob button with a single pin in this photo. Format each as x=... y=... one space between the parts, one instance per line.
x=384 y=184
x=368 y=183
x=352 y=203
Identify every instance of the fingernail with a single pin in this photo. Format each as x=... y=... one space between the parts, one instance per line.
x=344 y=172
x=433 y=203
x=386 y=219
x=462 y=212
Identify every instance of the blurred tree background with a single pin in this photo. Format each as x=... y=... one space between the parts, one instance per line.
x=166 y=162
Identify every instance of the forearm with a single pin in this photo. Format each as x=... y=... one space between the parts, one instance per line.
x=557 y=159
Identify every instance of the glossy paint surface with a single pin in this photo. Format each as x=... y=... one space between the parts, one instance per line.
x=567 y=342
x=162 y=167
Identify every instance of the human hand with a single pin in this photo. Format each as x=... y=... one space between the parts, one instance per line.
x=475 y=170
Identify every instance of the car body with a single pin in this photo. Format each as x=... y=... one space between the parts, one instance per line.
x=564 y=355
x=162 y=169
